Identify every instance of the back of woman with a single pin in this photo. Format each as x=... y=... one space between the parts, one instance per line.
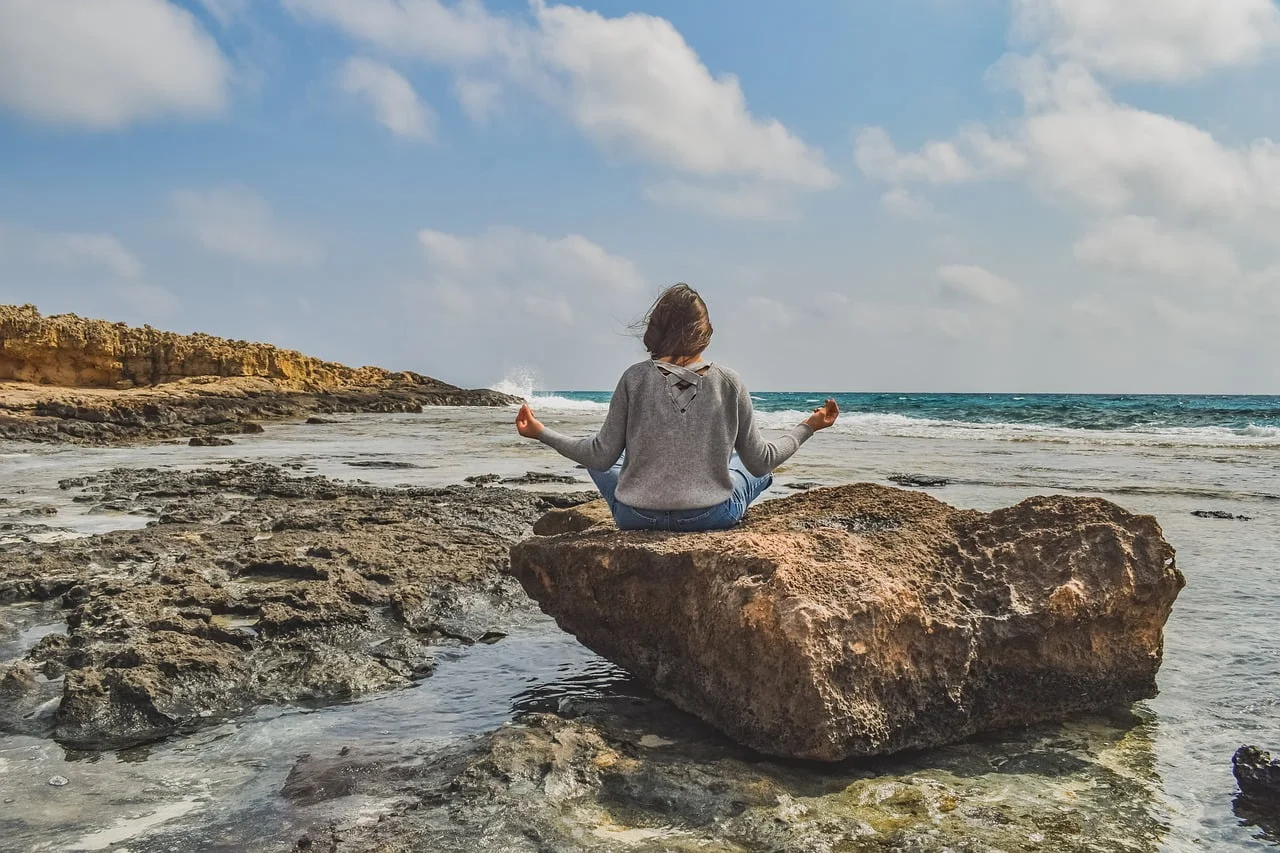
x=679 y=448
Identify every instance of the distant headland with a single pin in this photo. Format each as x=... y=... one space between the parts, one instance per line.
x=65 y=378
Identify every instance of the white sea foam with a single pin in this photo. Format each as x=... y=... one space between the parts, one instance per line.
x=524 y=382
x=902 y=426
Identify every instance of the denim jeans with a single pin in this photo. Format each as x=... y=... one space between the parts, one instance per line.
x=746 y=488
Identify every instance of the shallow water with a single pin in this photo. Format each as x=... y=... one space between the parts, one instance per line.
x=215 y=789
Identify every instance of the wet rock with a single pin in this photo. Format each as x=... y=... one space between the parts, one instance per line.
x=482 y=479
x=632 y=774
x=538 y=478
x=59 y=781
x=573 y=519
x=918 y=480
x=251 y=428
x=315 y=780
x=261 y=587
x=802 y=486
x=38 y=511
x=382 y=463
x=1258 y=775
x=319 y=421
x=864 y=620
x=1217 y=513
x=210 y=441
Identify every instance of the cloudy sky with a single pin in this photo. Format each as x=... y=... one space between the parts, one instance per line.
x=987 y=195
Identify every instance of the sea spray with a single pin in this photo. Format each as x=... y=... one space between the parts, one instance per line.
x=524 y=382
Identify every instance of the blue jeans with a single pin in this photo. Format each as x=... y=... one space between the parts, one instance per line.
x=746 y=488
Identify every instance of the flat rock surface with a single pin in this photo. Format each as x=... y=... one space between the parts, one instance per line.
x=253 y=587
x=633 y=775
x=865 y=620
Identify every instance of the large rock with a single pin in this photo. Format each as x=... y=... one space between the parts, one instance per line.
x=863 y=620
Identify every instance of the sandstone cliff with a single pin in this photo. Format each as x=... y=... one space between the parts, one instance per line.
x=75 y=352
x=66 y=378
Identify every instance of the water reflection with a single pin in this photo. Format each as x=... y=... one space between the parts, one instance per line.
x=597 y=679
x=1267 y=823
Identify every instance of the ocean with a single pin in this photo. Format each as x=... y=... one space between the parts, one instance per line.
x=1169 y=456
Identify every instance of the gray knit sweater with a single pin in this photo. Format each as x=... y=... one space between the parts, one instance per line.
x=678 y=458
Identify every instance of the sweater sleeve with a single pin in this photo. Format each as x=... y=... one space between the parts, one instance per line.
x=601 y=451
x=759 y=455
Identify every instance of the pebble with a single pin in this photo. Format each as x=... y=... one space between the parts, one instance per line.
x=58 y=781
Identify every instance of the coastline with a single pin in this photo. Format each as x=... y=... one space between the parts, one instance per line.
x=65 y=378
x=532 y=734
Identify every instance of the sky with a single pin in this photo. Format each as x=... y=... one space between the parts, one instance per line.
x=924 y=195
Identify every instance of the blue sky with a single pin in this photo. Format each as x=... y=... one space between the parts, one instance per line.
x=1023 y=195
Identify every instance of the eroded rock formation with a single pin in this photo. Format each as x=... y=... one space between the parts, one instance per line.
x=864 y=620
x=253 y=587
x=66 y=378
x=76 y=352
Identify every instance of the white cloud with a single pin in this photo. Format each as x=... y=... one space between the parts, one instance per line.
x=1113 y=156
x=973 y=155
x=900 y=203
x=395 y=104
x=79 y=269
x=106 y=63
x=758 y=202
x=225 y=11
x=1136 y=244
x=975 y=285
x=68 y=251
x=236 y=222
x=635 y=83
x=478 y=98
x=630 y=84
x=516 y=262
x=552 y=302
x=1077 y=142
x=462 y=33
x=1151 y=39
x=99 y=250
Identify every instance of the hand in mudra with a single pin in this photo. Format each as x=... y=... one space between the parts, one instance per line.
x=823 y=417
x=526 y=424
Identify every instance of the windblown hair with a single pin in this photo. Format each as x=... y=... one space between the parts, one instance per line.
x=677 y=325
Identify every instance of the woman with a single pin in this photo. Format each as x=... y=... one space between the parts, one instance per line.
x=679 y=420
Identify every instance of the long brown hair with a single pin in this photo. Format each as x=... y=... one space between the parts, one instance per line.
x=677 y=324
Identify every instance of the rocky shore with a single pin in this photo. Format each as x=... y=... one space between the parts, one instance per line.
x=258 y=586
x=69 y=379
x=252 y=587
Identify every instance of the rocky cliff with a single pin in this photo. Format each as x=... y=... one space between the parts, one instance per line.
x=76 y=352
x=66 y=378
x=865 y=620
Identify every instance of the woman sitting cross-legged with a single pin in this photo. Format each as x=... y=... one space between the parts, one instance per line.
x=679 y=449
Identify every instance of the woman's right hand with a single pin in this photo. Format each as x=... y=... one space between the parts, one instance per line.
x=823 y=417
x=526 y=424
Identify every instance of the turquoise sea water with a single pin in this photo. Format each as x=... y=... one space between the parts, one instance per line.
x=1069 y=411
x=1144 y=418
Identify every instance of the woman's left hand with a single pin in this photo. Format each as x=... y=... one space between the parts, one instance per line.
x=526 y=424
